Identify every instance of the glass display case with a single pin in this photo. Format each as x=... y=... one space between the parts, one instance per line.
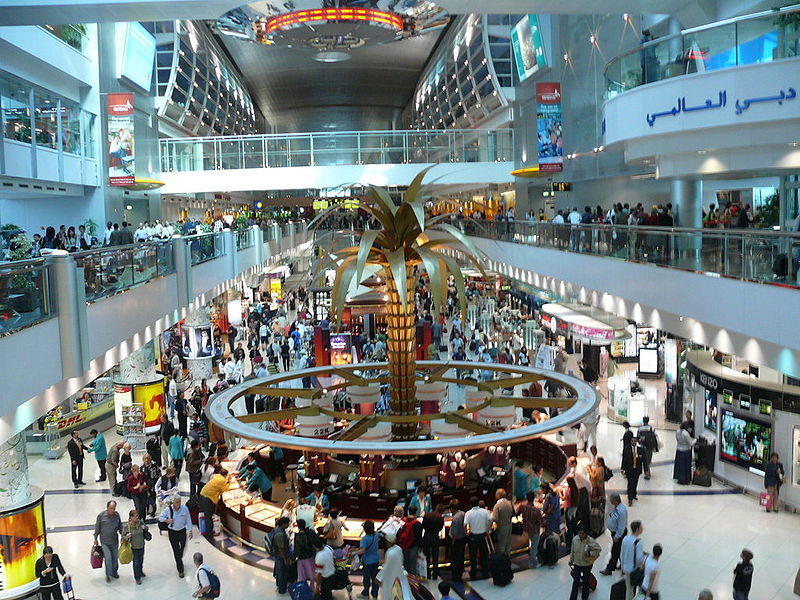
x=796 y=456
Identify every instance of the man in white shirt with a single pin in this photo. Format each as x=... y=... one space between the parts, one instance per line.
x=229 y=368
x=477 y=522
x=263 y=333
x=107 y=234
x=558 y=219
x=652 y=570
x=172 y=393
x=580 y=479
x=325 y=570
x=201 y=576
x=631 y=556
x=574 y=216
x=392 y=564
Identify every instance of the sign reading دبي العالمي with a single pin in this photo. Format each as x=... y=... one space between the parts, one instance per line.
x=526 y=40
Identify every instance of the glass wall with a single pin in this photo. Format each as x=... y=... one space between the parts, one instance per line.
x=19 y=100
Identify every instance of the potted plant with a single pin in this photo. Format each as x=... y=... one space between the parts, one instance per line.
x=22 y=295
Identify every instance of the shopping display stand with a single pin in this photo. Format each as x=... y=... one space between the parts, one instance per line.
x=133 y=425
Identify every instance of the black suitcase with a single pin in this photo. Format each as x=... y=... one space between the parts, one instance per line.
x=548 y=550
x=618 y=590
x=702 y=477
x=781 y=265
x=500 y=569
x=121 y=489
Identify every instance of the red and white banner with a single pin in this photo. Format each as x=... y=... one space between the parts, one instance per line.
x=121 y=165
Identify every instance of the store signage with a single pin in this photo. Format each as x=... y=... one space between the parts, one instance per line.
x=71 y=421
x=562 y=186
x=593 y=332
x=526 y=41
x=548 y=126
x=119 y=116
x=341 y=349
x=708 y=381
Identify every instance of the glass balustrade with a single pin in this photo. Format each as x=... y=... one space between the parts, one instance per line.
x=748 y=254
x=245 y=238
x=758 y=38
x=24 y=295
x=205 y=246
x=332 y=149
x=107 y=271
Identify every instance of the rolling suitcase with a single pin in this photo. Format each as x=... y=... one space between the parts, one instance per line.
x=548 y=550
x=596 y=523
x=500 y=569
x=781 y=265
x=618 y=590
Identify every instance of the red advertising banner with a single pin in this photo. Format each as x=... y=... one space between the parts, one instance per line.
x=119 y=113
x=548 y=126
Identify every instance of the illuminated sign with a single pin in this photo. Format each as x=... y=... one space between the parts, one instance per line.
x=302 y=17
x=526 y=41
x=341 y=349
x=22 y=542
x=562 y=186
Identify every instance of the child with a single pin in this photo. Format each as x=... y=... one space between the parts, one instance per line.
x=743 y=576
x=444 y=590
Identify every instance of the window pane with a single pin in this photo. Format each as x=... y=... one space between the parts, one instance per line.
x=70 y=128
x=90 y=142
x=16 y=114
x=46 y=119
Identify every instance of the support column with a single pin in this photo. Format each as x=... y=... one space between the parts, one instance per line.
x=686 y=196
x=199 y=366
x=258 y=239
x=232 y=253
x=183 y=270
x=69 y=291
x=13 y=472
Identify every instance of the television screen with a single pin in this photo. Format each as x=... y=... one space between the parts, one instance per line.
x=138 y=52
x=744 y=401
x=765 y=407
x=526 y=41
x=710 y=413
x=727 y=397
x=745 y=442
x=648 y=361
x=411 y=485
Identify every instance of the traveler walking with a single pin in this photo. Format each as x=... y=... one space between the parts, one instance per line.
x=176 y=452
x=208 y=586
x=282 y=554
x=138 y=489
x=107 y=528
x=652 y=573
x=683 y=454
x=631 y=559
x=47 y=568
x=194 y=462
x=165 y=432
x=632 y=467
x=179 y=523
x=304 y=551
x=458 y=541
x=649 y=442
x=502 y=514
x=135 y=532
x=98 y=447
x=532 y=525
x=409 y=538
x=325 y=570
x=370 y=559
x=743 y=576
x=583 y=553
x=618 y=527
x=477 y=521
x=773 y=479
x=75 y=448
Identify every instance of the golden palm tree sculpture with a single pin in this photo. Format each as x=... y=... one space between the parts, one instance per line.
x=402 y=249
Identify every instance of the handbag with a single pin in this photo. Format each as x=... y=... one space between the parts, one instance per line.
x=96 y=557
x=66 y=584
x=147 y=535
x=125 y=552
x=355 y=564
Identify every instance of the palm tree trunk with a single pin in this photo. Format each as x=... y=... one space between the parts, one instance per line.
x=401 y=333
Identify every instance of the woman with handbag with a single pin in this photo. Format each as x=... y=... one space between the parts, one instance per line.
x=135 y=533
x=48 y=566
x=138 y=489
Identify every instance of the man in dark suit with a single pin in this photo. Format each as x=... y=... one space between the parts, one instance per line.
x=75 y=448
x=632 y=458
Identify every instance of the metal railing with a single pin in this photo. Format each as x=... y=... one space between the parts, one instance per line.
x=205 y=246
x=340 y=148
x=758 y=38
x=107 y=271
x=747 y=254
x=24 y=294
x=245 y=238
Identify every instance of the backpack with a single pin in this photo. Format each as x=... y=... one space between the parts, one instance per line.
x=213 y=582
x=405 y=536
x=608 y=473
x=649 y=439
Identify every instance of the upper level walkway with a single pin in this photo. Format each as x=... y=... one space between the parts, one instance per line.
x=329 y=160
x=718 y=287
x=67 y=319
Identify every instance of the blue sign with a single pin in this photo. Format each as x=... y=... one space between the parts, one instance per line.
x=138 y=52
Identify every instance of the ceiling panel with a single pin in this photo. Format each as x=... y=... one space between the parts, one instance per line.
x=297 y=93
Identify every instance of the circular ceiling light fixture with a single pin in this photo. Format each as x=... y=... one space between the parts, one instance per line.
x=331 y=56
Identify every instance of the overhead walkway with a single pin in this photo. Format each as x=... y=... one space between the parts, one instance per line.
x=329 y=160
x=714 y=287
x=66 y=320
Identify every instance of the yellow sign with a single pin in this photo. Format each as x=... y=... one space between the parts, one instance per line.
x=151 y=396
x=276 y=289
x=21 y=544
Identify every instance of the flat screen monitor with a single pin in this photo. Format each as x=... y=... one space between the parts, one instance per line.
x=433 y=480
x=710 y=412
x=648 y=361
x=411 y=485
x=744 y=401
x=333 y=477
x=765 y=407
x=727 y=397
x=138 y=52
x=745 y=441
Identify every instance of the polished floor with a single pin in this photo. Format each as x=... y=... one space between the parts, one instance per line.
x=702 y=531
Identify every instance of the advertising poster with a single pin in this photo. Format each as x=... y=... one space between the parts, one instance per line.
x=151 y=397
x=121 y=167
x=198 y=342
x=526 y=40
x=341 y=349
x=123 y=396
x=548 y=125
x=276 y=288
x=21 y=543
x=710 y=413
